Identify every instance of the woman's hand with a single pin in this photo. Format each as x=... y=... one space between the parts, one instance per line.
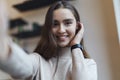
x=79 y=35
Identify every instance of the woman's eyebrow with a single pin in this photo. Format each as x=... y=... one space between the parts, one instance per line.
x=63 y=20
x=55 y=20
x=68 y=20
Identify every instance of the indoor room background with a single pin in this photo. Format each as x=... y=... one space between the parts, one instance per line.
x=101 y=32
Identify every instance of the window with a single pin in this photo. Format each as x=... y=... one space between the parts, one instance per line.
x=117 y=15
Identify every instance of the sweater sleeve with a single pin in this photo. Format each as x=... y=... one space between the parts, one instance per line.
x=82 y=68
x=19 y=64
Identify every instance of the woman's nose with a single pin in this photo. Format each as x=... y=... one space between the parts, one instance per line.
x=61 y=28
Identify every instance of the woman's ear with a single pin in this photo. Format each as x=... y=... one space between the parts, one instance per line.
x=78 y=26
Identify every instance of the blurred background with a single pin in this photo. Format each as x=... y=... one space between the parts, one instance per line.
x=101 y=19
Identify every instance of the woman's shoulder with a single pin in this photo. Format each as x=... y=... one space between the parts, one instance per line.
x=38 y=57
x=35 y=57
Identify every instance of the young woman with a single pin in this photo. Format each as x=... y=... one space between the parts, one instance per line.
x=59 y=55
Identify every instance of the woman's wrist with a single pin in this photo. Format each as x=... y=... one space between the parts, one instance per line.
x=76 y=46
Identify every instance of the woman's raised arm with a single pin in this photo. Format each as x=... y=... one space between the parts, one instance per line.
x=82 y=68
x=13 y=59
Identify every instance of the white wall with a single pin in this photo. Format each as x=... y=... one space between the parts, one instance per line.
x=101 y=37
x=92 y=15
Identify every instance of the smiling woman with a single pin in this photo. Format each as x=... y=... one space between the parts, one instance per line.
x=64 y=27
x=58 y=56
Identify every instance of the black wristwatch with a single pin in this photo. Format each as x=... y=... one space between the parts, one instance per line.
x=77 y=46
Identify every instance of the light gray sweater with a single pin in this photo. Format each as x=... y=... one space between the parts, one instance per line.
x=71 y=66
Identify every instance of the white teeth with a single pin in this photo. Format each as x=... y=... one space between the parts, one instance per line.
x=62 y=37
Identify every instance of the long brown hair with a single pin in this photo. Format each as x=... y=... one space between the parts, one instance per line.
x=47 y=46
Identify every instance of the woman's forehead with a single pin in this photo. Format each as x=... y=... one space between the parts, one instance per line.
x=63 y=13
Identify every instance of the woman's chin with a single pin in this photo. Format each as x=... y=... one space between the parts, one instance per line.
x=62 y=45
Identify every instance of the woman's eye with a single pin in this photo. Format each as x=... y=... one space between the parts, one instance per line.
x=55 y=24
x=68 y=23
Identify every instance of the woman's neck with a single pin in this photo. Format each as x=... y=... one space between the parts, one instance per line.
x=65 y=52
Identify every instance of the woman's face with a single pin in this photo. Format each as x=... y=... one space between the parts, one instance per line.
x=64 y=26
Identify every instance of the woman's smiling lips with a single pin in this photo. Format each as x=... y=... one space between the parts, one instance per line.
x=62 y=38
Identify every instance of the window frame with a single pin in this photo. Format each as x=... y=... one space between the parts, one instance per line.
x=116 y=4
